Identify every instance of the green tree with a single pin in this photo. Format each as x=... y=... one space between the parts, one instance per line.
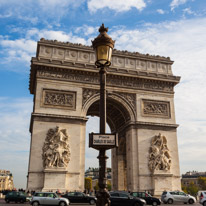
x=109 y=186
x=88 y=183
x=96 y=187
x=202 y=183
x=184 y=189
x=192 y=189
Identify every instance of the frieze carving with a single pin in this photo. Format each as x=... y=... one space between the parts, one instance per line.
x=88 y=93
x=111 y=81
x=56 y=152
x=159 y=157
x=89 y=48
x=155 y=108
x=60 y=99
x=131 y=98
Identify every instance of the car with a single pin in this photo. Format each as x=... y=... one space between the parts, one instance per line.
x=119 y=198
x=15 y=196
x=80 y=197
x=147 y=197
x=48 y=198
x=200 y=194
x=202 y=198
x=177 y=196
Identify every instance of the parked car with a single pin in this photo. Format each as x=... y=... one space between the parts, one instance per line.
x=15 y=196
x=202 y=198
x=80 y=197
x=147 y=197
x=118 y=198
x=177 y=196
x=48 y=198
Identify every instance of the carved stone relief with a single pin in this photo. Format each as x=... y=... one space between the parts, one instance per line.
x=155 y=108
x=56 y=152
x=111 y=81
x=60 y=99
x=159 y=157
x=131 y=98
x=83 y=53
x=88 y=93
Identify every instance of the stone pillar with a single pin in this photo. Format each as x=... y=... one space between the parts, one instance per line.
x=132 y=160
x=119 y=170
x=64 y=177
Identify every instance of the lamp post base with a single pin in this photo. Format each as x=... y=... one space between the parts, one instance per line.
x=103 y=198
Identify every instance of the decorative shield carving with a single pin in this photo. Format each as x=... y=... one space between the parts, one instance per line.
x=56 y=152
x=159 y=157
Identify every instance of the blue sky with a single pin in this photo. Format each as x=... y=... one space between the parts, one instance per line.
x=174 y=28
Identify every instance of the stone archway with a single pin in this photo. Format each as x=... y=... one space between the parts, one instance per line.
x=120 y=112
x=140 y=107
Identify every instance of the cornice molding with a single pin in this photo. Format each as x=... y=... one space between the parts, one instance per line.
x=147 y=83
x=59 y=53
x=115 y=51
x=149 y=125
x=55 y=118
x=92 y=68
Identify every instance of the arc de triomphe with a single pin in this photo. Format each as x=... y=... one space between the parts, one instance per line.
x=140 y=107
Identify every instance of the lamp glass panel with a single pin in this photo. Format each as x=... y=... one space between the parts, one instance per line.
x=103 y=54
x=110 y=54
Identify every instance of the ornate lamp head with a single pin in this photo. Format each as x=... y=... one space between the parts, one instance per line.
x=103 y=45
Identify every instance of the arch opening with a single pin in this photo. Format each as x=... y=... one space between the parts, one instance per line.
x=117 y=114
x=117 y=117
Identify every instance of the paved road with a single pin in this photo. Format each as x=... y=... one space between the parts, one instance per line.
x=3 y=203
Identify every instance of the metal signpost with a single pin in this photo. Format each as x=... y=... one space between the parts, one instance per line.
x=103 y=45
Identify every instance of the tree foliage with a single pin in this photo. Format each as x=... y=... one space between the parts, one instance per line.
x=96 y=187
x=202 y=183
x=88 y=183
x=109 y=185
x=192 y=189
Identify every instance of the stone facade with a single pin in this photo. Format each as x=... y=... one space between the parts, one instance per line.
x=140 y=107
x=191 y=177
x=6 y=180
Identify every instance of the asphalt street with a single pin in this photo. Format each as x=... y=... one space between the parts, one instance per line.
x=3 y=203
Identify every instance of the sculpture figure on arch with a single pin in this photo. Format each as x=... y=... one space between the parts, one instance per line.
x=56 y=152
x=159 y=157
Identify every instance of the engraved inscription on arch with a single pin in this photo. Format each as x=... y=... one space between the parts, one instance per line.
x=59 y=99
x=155 y=108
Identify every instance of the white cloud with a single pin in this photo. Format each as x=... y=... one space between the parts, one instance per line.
x=38 y=10
x=86 y=30
x=188 y=11
x=54 y=35
x=176 y=3
x=160 y=11
x=21 y=50
x=17 y=50
x=6 y=15
x=15 y=137
x=118 y=6
x=54 y=4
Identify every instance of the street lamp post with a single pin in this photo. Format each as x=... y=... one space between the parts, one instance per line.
x=103 y=45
